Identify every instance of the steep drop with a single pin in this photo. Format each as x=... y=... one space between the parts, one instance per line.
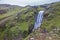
x=38 y=19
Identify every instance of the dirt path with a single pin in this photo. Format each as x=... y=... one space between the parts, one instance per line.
x=3 y=21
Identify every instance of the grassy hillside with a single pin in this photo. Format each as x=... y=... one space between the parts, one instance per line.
x=52 y=17
x=51 y=21
x=21 y=21
x=6 y=11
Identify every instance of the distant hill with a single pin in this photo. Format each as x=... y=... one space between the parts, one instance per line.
x=8 y=5
x=8 y=10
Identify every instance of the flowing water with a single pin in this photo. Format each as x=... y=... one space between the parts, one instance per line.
x=38 y=20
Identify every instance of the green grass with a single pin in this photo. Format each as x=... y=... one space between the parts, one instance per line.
x=10 y=12
x=24 y=26
x=53 y=19
x=20 y=26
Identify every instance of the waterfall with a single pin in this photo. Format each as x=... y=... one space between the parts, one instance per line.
x=38 y=20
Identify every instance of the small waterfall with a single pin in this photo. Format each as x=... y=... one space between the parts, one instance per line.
x=38 y=20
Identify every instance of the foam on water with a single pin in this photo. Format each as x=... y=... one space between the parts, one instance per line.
x=38 y=20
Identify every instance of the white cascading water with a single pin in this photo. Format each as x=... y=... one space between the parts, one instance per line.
x=38 y=19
